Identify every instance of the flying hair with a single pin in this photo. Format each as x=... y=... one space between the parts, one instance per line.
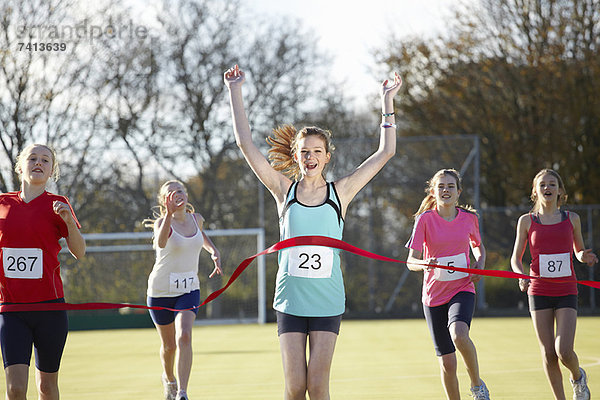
x=280 y=154
x=284 y=143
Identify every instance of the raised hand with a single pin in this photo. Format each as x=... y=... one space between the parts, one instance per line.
x=173 y=203
x=234 y=76
x=389 y=89
x=63 y=210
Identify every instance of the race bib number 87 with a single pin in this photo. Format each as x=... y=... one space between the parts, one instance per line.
x=459 y=260
x=310 y=261
x=22 y=263
x=555 y=265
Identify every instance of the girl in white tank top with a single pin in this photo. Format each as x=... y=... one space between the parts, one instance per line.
x=178 y=240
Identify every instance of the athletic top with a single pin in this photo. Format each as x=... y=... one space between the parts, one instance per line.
x=175 y=270
x=449 y=242
x=551 y=248
x=309 y=279
x=29 y=243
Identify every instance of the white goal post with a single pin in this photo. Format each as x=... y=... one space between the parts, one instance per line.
x=128 y=257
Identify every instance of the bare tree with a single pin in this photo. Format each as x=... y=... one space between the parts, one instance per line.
x=41 y=85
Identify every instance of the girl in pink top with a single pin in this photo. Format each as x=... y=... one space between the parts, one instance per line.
x=443 y=234
x=553 y=235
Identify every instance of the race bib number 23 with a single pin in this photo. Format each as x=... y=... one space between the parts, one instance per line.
x=22 y=263
x=310 y=261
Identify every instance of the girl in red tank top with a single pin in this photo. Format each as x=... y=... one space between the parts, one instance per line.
x=553 y=236
x=551 y=248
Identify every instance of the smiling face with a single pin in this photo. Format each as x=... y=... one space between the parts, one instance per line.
x=179 y=193
x=311 y=155
x=446 y=191
x=36 y=164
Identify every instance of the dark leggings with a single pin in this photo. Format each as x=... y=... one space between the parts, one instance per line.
x=45 y=330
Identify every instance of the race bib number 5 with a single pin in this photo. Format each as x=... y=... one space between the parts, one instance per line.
x=182 y=282
x=555 y=265
x=22 y=263
x=310 y=261
x=459 y=260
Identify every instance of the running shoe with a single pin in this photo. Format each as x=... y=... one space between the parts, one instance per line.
x=580 y=387
x=480 y=392
x=182 y=395
x=170 y=389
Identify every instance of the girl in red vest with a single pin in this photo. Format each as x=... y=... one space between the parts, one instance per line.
x=553 y=236
x=32 y=221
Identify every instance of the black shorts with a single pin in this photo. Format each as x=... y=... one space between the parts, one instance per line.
x=45 y=330
x=459 y=308
x=537 y=303
x=291 y=323
x=165 y=317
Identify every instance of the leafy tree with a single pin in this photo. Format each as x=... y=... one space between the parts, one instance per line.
x=523 y=76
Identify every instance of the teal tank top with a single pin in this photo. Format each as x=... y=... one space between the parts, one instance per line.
x=309 y=279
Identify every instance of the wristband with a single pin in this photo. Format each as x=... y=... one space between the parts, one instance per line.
x=388 y=125
x=388 y=114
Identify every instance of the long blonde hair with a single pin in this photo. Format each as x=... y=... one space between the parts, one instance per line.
x=284 y=143
x=429 y=202
x=562 y=196
x=160 y=210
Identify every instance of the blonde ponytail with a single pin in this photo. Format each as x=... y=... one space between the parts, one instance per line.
x=281 y=155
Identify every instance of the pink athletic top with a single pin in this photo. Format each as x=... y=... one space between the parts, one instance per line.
x=551 y=248
x=449 y=242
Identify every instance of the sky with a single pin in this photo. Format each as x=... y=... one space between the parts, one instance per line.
x=349 y=29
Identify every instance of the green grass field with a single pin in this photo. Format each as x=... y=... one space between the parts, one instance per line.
x=390 y=359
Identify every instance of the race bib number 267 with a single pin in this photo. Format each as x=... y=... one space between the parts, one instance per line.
x=20 y=263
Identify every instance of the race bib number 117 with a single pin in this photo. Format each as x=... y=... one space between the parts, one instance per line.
x=182 y=282
x=21 y=263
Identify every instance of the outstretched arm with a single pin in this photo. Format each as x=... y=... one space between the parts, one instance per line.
x=276 y=182
x=350 y=185
x=215 y=255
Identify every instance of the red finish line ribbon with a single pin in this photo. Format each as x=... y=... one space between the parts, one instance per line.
x=292 y=242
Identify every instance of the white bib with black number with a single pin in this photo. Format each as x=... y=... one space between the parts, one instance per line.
x=182 y=282
x=555 y=265
x=22 y=263
x=310 y=261
x=459 y=260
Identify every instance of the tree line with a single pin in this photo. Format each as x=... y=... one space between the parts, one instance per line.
x=141 y=100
